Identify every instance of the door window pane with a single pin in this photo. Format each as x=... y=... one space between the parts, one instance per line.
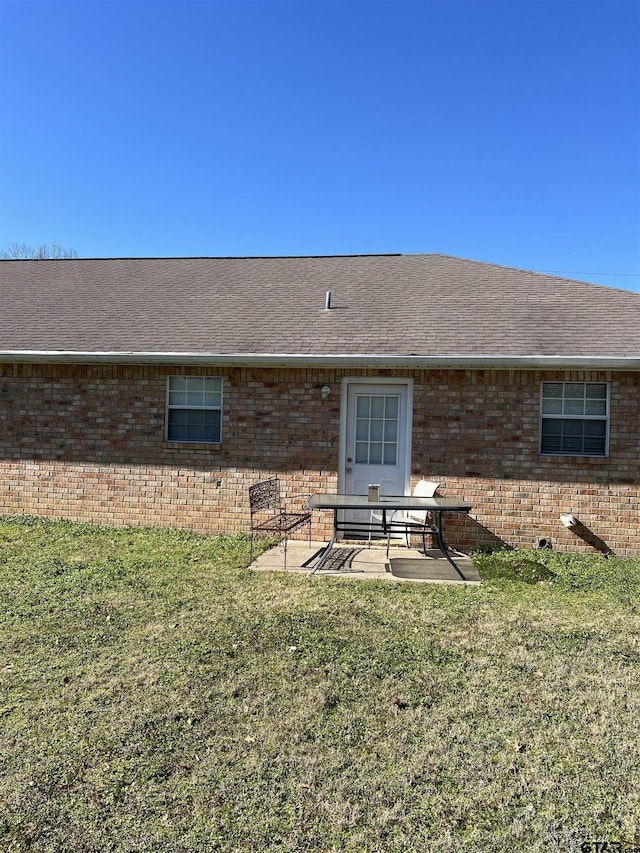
x=362 y=406
x=377 y=407
x=389 y=454
x=362 y=452
x=362 y=430
x=375 y=453
x=391 y=408
x=391 y=431
x=377 y=429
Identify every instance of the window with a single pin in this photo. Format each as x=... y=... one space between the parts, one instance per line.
x=377 y=429
x=575 y=418
x=194 y=409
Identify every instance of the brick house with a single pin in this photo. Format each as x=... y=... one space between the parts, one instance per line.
x=154 y=391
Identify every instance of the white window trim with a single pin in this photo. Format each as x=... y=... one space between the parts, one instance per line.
x=606 y=418
x=219 y=408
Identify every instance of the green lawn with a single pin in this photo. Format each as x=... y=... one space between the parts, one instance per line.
x=156 y=695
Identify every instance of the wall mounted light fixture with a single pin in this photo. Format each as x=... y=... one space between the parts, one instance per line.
x=325 y=391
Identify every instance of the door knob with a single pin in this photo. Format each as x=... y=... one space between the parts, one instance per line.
x=349 y=470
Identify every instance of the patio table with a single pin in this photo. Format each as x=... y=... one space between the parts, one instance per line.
x=385 y=506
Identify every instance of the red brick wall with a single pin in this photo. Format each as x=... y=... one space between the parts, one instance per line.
x=478 y=432
x=87 y=443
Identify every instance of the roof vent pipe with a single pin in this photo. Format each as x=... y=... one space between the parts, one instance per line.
x=327 y=301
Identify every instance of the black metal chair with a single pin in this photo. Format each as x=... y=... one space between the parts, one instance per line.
x=269 y=517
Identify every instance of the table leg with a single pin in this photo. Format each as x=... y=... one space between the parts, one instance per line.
x=325 y=554
x=441 y=543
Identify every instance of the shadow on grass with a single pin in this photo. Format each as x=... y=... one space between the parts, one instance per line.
x=503 y=563
x=618 y=576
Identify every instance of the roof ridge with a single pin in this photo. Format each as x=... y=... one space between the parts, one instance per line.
x=218 y=257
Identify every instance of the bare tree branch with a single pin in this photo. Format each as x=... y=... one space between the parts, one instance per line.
x=22 y=251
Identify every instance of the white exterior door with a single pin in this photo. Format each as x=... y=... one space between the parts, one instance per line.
x=376 y=446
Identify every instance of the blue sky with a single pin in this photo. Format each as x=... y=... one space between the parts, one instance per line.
x=506 y=131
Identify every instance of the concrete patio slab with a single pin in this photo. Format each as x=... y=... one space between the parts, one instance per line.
x=356 y=561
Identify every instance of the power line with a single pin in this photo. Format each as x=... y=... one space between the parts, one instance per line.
x=579 y=272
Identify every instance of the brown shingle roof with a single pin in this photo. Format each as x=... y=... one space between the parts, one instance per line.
x=387 y=305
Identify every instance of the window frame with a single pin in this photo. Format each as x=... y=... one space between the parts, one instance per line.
x=169 y=407
x=577 y=417
x=383 y=441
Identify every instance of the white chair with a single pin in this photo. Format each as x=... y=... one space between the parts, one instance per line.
x=412 y=521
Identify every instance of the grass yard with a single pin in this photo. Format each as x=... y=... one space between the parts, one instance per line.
x=155 y=695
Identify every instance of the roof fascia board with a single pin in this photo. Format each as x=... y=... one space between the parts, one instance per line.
x=531 y=362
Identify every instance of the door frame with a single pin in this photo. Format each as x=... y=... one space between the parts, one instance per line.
x=375 y=380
